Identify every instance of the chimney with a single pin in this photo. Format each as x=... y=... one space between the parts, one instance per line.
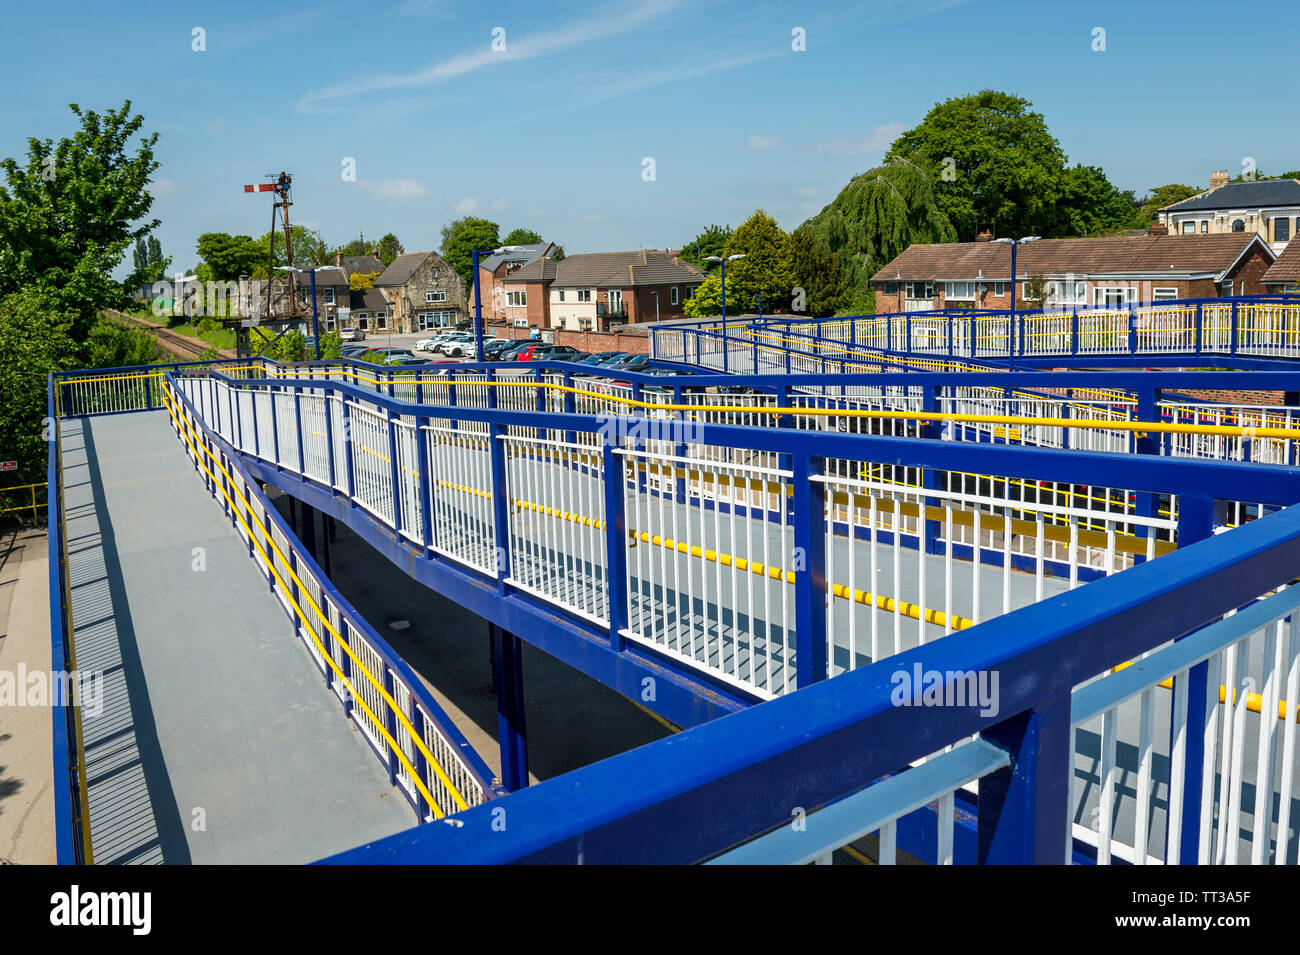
x=1218 y=178
x=1157 y=228
x=985 y=236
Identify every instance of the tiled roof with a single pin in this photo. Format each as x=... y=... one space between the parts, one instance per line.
x=611 y=270
x=365 y=264
x=1103 y=255
x=329 y=275
x=1286 y=270
x=367 y=299
x=1243 y=195
x=526 y=253
x=401 y=269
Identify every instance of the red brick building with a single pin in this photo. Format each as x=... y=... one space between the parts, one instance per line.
x=1088 y=273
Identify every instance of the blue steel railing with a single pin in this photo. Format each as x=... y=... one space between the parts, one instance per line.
x=1254 y=326
x=1073 y=623
x=809 y=772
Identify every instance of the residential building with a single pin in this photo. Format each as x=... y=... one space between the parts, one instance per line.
x=600 y=290
x=367 y=310
x=362 y=264
x=1269 y=208
x=1085 y=273
x=423 y=292
x=1284 y=274
x=493 y=269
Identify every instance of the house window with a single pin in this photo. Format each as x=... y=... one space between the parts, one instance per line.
x=920 y=290
x=1189 y=227
x=690 y=292
x=1225 y=288
x=363 y=323
x=960 y=291
x=381 y=320
x=1113 y=296
x=1238 y=225
x=584 y=295
x=1164 y=294
x=1281 y=230
x=561 y=295
x=999 y=289
x=435 y=295
x=433 y=274
x=672 y=295
x=1026 y=292
x=517 y=298
x=1067 y=293
x=329 y=296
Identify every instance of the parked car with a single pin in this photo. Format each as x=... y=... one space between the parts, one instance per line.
x=431 y=343
x=513 y=351
x=599 y=357
x=352 y=334
x=460 y=345
x=627 y=363
x=493 y=348
x=352 y=351
x=550 y=352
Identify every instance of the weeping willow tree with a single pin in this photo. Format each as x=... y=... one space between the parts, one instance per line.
x=874 y=218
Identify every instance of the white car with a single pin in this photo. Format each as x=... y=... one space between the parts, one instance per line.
x=455 y=346
x=351 y=334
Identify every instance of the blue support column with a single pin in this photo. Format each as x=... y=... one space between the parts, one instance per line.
x=1198 y=331
x=1232 y=331
x=1132 y=332
x=1024 y=809
x=1196 y=518
x=810 y=596
x=616 y=535
x=508 y=679
x=1074 y=332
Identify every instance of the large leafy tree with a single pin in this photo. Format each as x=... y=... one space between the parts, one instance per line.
x=230 y=256
x=389 y=249
x=994 y=162
x=69 y=214
x=707 y=299
x=522 y=237
x=709 y=242
x=1158 y=198
x=766 y=268
x=461 y=237
x=1089 y=205
x=817 y=271
x=149 y=264
x=308 y=247
x=875 y=217
x=35 y=339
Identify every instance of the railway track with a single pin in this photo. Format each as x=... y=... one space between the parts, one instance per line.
x=181 y=346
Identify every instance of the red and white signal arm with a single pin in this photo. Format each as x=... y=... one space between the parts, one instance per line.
x=261 y=187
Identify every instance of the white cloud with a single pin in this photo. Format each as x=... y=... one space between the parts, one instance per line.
x=876 y=141
x=497 y=205
x=608 y=23
x=763 y=142
x=162 y=188
x=467 y=206
x=398 y=189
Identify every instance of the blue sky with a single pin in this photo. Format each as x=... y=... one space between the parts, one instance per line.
x=551 y=133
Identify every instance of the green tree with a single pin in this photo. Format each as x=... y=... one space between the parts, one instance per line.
x=389 y=249
x=1158 y=198
x=1090 y=205
x=462 y=237
x=230 y=256
x=707 y=300
x=308 y=247
x=69 y=214
x=331 y=345
x=877 y=216
x=148 y=263
x=709 y=242
x=766 y=268
x=558 y=254
x=358 y=246
x=522 y=237
x=994 y=162
x=35 y=339
x=817 y=271
x=112 y=344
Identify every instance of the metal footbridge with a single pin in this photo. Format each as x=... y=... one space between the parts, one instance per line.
x=978 y=635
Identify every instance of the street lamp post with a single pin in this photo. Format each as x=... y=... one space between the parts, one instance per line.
x=315 y=319
x=730 y=258
x=478 y=298
x=1011 y=326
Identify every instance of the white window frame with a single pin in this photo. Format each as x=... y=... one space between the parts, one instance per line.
x=434 y=295
x=516 y=298
x=1100 y=293
x=329 y=296
x=999 y=288
x=1024 y=292
x=1189 y=227
x=672 y=295
x=1164 y=293
x=927 y=290
x=959 y=291
x=560 y=293
x=381 y=321
x=584 y=295
x=1275 y=221
x=615 y=298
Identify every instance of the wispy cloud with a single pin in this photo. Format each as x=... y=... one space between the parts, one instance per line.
x=760 y=142
x=164 y=187
x=470 y=205
x=398 y=189
x=600 y=92
x=875 y=141
x=602 y=25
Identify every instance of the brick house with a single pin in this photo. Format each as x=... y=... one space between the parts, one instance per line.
x=492 y=271
x=1269 y=208
x=1284 y=274
x=423 y=292
x=600 y=290
x=1087 y=273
